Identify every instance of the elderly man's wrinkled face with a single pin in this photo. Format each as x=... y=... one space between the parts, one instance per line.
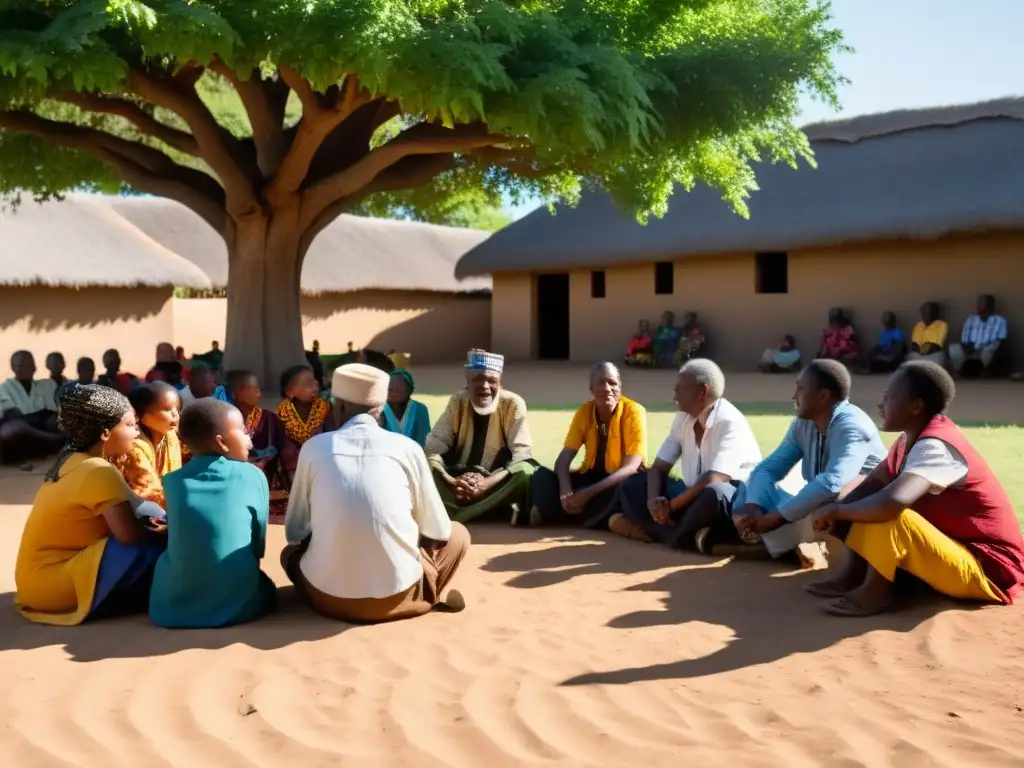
x=483 y=388
x=690 y=396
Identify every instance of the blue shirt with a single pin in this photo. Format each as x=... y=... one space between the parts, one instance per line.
x=889 y=338
x=415 y=424
x=852 y=447
x=209 y=576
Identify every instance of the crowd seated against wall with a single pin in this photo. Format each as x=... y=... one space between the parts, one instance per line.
x=669 y=345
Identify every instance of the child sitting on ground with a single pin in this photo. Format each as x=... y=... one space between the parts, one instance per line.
x=156 y=451
x=217 y=511
x=303 y=414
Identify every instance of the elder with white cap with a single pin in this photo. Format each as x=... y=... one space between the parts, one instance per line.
x=369 y=538
x=480 y=449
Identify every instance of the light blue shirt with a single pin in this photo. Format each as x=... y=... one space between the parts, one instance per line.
x=852 y=447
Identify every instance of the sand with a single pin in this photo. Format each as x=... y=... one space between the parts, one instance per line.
x=577 y=649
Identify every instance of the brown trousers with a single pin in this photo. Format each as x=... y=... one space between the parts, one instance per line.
x=439 y=567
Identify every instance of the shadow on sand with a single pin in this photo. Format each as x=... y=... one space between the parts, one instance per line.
x=136 y=637
x=763 y=603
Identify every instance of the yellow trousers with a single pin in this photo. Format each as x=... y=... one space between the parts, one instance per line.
x=912 y=544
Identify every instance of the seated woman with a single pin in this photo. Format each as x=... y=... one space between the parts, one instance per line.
x=401 y=413
x=28 y=416
x=889 y=349
x=934 y=509
x=785 y=358
x=928 y=339
x=303 y=414
x=666 y=340
x=640 y=349
x=266 y=433
x=156 y=451
x=84 y=552
x=691 y=338
x=838 y=339
x=217 y=511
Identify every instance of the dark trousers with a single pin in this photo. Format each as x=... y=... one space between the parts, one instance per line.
x=709 y=510
x=545 y=496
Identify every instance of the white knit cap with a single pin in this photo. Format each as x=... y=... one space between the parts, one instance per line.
x=360 y=384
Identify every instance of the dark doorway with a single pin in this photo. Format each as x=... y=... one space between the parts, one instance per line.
x=553 y=317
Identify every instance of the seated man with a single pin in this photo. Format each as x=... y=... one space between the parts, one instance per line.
x=369 y=539
x=113 y=376
x=612 y=430
x=890 y=348
x=480 y=449
x=28 y=412
x=928 y=339
x=982 y=335
x=716 y=447
x=837 y=444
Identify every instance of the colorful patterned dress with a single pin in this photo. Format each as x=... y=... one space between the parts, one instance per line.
x=297 y=431
x=145 y=465
x=267 y=435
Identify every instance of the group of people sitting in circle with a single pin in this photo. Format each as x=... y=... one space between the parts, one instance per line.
x=377 y=501
x=982 y=336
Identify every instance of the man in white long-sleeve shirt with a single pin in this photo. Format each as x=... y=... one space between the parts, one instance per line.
x=369 y=537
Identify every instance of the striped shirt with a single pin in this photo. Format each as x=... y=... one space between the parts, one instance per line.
x=980 y=333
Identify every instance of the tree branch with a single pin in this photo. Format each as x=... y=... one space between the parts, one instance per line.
x=134 y=114
x=318 y=121
x=405 y=174
x=264 y=102
x=146 y=169
x=218 y=148
x=421 y=139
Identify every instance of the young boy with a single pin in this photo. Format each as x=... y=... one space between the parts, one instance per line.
x=217 y=510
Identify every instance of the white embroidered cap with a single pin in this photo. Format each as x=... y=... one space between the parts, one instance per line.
x=479 y=360
x=360 y=384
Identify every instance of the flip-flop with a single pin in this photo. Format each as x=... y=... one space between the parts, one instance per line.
x=848 y=609
x=827 y=592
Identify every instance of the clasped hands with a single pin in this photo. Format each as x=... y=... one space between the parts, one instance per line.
x=470 y=486
x=573 y=502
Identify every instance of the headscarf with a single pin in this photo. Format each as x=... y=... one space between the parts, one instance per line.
x=407 y=376
x=86 y=411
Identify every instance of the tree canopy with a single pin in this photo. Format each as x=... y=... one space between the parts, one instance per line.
x=271 y=117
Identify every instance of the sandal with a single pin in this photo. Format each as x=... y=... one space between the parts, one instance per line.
x=845 y=607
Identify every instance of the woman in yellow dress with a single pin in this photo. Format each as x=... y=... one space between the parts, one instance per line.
x=85 y=552
x=156 y=451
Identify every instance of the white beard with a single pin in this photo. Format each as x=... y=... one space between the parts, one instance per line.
x=485 y=411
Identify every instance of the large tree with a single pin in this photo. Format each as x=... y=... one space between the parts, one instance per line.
x=269 y=118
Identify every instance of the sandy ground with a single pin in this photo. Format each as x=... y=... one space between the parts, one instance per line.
x=576 y=650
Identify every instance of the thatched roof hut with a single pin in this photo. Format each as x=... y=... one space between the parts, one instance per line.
x=915 y=174
x=354 y=253
x=81 y=242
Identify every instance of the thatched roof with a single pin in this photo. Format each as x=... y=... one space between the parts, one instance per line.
x=81 y=242
x=908 y=174
x=354 y=253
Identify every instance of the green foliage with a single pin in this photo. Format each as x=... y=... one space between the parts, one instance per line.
x=635 y=96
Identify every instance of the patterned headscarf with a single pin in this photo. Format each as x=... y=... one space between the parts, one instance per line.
x=407 y=376
x=86 y=411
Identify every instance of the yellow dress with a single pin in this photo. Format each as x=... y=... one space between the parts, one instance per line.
x=63 y=541
x=144 y=466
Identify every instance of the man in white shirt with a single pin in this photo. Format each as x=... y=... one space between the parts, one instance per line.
x=369 y=536
x=201 y=383
x=28 y=411
x=716 y=448
x=983 y=333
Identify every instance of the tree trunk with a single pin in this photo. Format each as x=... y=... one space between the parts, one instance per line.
x=264 y=322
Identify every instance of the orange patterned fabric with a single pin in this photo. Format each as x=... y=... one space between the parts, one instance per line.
x=294 y=427
x=144 y=466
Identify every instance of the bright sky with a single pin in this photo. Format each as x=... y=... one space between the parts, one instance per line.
x=921 y=53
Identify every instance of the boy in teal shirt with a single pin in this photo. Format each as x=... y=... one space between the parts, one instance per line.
x=217 y=511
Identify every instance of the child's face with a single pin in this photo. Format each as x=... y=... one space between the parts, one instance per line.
x=233 y=442
x=162 y=417
x=248 y=392
x=303 y=388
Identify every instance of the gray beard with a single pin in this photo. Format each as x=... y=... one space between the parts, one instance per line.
x=485 y=411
